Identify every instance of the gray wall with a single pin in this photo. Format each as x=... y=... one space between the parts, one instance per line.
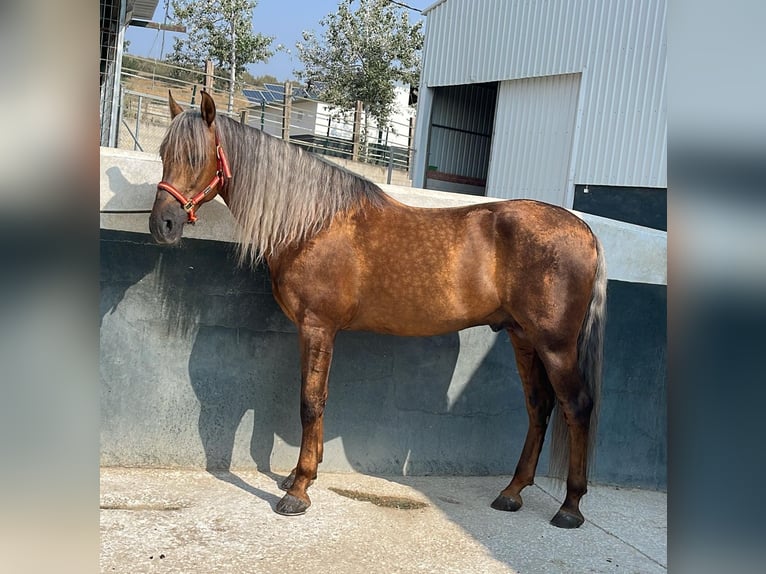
x=643 y=206
x=199 y=368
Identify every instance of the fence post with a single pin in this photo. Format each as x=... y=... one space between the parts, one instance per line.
x=138 y=122
x=390 y=165
x=356 y=138
x=287 y=111
x=243 y=117
x=209 y=72
x=410 y=143
x=263 y=114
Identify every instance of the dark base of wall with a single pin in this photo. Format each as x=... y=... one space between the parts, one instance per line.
x=200 y=368
x=638 y=205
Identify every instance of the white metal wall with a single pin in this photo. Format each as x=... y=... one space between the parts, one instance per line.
x=532 y=143
x=618 y=45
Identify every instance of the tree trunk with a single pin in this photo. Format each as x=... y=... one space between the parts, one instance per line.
x=233 y=62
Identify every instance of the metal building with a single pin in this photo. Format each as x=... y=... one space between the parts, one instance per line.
x=114 y=17
x=535 y=98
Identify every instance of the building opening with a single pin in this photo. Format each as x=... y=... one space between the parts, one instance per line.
x=460 y=134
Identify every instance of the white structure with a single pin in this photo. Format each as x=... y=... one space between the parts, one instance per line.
x=312 y=116
x=530 y=98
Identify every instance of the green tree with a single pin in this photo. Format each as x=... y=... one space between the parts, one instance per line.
x=222 y=31
x=248 y=78
x=362 y=55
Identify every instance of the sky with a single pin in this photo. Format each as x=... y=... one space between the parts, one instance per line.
x=283 y=19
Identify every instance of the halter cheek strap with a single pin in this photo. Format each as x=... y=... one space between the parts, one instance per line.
x=222 y=175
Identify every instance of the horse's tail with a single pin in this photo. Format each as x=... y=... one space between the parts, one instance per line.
x=590 y=355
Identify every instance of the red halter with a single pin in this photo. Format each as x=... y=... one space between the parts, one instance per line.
x=222 y=174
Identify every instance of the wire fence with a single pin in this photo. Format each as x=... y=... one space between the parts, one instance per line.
x=346 y=136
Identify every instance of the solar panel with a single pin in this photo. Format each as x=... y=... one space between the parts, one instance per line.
x=276 y=88
x=275 y=93
x=254 y=96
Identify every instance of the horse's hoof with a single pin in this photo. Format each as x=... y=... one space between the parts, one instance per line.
x=287 y=483
x=564 y=519
x=507 y=503
x=291 y=506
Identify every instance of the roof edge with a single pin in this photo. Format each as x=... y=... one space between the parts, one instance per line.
x=427 y=9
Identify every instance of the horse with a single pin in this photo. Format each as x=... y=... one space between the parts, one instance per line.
x=343 y=255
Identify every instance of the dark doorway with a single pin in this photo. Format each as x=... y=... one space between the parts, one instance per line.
x=460 y=135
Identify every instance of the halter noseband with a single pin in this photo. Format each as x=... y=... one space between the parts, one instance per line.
x=222 y=175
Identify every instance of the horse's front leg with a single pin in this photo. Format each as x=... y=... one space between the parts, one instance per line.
x=316 y=356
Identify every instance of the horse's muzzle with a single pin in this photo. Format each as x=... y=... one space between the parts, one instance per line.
x=166 y=223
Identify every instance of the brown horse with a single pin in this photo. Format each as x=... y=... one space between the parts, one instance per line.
x=344 y=255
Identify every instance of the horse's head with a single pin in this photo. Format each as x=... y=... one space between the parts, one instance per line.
x=194 y=169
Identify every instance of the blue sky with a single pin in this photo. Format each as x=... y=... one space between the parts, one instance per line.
x=283 y=19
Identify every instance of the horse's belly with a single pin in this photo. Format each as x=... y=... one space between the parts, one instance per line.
x=429 y=273
x=422 y=313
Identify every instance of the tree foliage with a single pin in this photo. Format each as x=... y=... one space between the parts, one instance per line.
x=222 y=31
x=363 y=54
x=249 y=79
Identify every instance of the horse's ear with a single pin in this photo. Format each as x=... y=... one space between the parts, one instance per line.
x=175 y=109
x=208 y=108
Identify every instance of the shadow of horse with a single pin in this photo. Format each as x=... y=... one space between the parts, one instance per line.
x=380 y=385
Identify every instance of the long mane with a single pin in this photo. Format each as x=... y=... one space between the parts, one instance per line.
x=279 y=193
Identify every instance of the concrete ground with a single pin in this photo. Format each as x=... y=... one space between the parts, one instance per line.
x=195 y=522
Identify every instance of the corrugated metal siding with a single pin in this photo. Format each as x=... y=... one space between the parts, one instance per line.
x=618 y=45
x=459 y=153
x=461 y=127
x=532 y=144
x=468 y=108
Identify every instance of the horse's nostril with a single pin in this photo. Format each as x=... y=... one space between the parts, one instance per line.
x=168 y=225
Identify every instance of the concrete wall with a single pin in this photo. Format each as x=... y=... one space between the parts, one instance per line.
x=199 y=367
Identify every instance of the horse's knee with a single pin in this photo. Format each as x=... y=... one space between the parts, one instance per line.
x=312 y=409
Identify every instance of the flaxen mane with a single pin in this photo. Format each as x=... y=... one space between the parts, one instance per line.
x=279 y=193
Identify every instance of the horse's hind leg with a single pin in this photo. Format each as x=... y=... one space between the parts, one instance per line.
x=539 y=399
x=576 y=404
x=316 y=356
